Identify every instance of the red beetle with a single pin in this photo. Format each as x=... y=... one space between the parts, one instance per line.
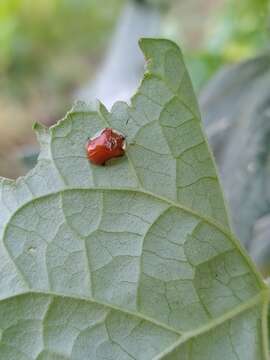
x=105 y=145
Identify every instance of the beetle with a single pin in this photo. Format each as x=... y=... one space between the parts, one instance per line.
x=105 y=145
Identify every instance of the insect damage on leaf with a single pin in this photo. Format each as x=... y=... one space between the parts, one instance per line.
x=135 y=260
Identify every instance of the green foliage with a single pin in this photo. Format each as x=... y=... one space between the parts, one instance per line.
x=30 y=31
x=240 y=31
x=134 y=260
x=243 y=30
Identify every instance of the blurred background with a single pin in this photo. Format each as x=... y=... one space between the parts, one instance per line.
x=55 y=51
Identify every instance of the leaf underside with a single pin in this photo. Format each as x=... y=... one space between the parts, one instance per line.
x=134 y=260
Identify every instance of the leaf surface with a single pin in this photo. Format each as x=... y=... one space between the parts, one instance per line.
x=134 y=260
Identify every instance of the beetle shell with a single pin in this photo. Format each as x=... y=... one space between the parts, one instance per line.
x=105 y=145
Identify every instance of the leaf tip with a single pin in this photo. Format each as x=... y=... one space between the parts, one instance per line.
x=146 y=44
x=156 y=50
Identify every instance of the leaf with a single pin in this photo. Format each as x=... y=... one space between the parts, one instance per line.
x=134 y=260
x=235 y=107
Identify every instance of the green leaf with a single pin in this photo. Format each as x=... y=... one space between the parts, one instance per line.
x=134 y=260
